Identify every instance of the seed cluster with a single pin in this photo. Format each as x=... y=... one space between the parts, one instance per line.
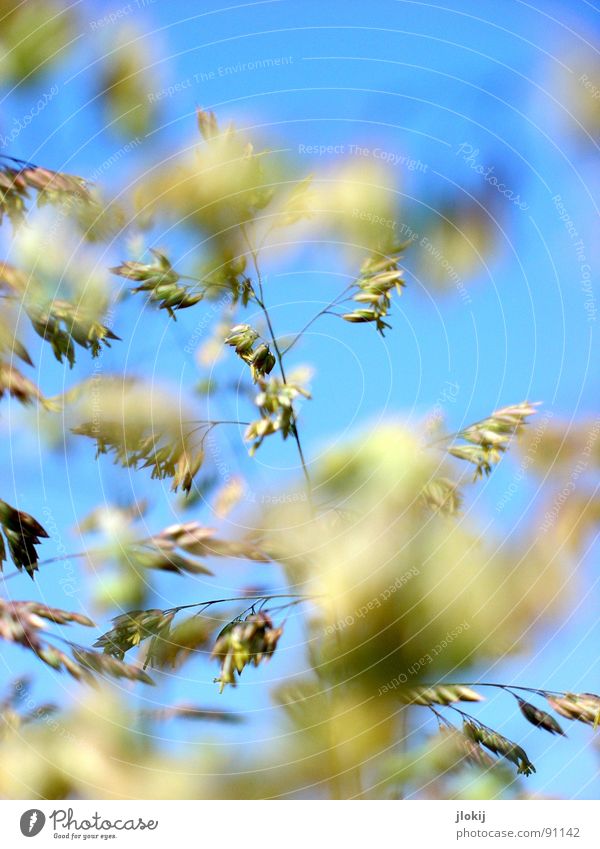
x=379 y=278
x=242 y=643
x=22 y=533
x=17 y=178
x=489 y=439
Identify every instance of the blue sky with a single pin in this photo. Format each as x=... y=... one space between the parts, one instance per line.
x=414 y=81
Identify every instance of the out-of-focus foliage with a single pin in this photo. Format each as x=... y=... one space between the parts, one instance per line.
x=127 y=80
x=61 y=323
x=141 y=426
x=34 y=35
x=90 y=752
x=399 y=595
x=579 y=84
x=24 y=623
x=567 y=457
x=19 y=179
x=221 y=185
x=453 y=247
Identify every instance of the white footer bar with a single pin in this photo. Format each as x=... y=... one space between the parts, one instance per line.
x=305 y=824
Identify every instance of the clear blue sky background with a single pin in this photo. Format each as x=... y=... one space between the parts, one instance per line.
x=416 y=80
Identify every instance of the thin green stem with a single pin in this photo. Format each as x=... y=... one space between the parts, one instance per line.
x=279 y=356
x=209 y=425
x=510 y=687
x=58 y=559
x=470 y=718
x=440 y=717
x=206 y=284
x=298 y=597
x=324 y=311
x=215 y=422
